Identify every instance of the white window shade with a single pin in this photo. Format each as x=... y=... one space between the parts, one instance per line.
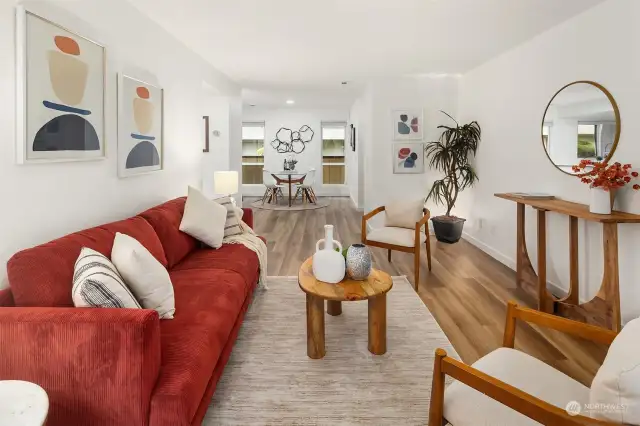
x=333 y=133
x=253 y=132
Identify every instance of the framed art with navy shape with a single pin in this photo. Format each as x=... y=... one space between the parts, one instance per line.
x=60 y=100
x=408 y=158
x=407 y=124
x=140 y=127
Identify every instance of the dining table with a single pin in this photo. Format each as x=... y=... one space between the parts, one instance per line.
x=289 y=177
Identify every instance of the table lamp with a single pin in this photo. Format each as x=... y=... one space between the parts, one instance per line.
x=226 y=183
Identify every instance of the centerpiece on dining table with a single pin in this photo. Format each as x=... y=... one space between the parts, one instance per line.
x=604 y=180
x=290 y=163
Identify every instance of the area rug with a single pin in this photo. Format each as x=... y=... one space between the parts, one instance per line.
x=269 y=379
x=284 y=205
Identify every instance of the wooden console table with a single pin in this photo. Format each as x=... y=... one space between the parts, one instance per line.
x=604 y=308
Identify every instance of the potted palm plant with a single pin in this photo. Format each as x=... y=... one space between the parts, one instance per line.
x=451 y=156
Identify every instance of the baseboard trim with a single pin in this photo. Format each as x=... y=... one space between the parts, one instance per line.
x=509 y=262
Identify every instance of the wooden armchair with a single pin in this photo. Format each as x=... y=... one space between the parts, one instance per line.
x=400 y=239
x=462 y=405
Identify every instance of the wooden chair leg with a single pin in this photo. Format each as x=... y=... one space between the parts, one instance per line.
x=265 y=195
x=296 y=196
x=389 y=255
x=416 y=259
x=428 y=244
x=436 y=409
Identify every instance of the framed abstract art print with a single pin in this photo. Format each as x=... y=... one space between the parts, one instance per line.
x=407 y=124
x=408 y=158
x=61 y=93
x=140 y=127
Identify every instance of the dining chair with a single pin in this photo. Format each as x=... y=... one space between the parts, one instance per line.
x=402 y=231
x=306 y=188
x=273 y=189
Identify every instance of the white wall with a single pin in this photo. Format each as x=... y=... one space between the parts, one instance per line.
x=42 y=202
x=508 y=96
x=384 y=95
x=294 y=118
x=360 y=117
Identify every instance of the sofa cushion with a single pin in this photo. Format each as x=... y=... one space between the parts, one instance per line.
x=208 y=302
x=464 y=406
x=43 y=275
x=617 y=383
x=230 y=257
x=166 y=219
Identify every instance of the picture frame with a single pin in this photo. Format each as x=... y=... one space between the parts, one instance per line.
x=407 y=124
x=140 y=127
x=408 y=158
x=61 y=93
x=352 y=138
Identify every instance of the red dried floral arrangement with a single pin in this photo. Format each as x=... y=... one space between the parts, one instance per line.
x=604 y=176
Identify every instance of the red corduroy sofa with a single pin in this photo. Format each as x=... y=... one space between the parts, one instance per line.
x=126 y=367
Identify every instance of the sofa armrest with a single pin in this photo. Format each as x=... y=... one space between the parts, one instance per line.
x=247 y=217
x=98 y=366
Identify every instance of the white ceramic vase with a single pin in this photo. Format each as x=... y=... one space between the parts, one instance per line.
x=328 y=265
x=601 y=201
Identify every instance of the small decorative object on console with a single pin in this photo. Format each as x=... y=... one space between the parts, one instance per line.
x=358 y=262
x=328 y=264
x=604 y=180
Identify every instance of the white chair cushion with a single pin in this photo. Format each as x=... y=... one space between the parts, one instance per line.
x=464 y=406
x=397 y=236
x=616 y=387
x=404 y=214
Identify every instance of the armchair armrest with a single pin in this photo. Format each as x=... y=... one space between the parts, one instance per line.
x=512 y=397
x=585 y=331
x=98 y=366
x=368 y=216
x=6 y=298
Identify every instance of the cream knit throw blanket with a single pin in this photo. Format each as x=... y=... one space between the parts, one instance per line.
x=249 y=239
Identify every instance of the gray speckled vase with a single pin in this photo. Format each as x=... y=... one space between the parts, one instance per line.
x=358 y=262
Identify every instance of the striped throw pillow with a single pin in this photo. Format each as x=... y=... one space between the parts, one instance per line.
x=97 y=283
x=232 y=226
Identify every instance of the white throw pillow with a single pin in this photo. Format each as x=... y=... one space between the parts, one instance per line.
x=97 y=283
x=615 y=391
x=232 y=225
x=146 y=277
x=204 y=219
x=404 y=214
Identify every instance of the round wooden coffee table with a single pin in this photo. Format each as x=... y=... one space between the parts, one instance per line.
x=374 y=289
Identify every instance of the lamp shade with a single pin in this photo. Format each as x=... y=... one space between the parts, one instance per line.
x=225 y=182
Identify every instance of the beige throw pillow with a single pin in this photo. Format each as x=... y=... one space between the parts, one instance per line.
x=404 y=214
x=146 y=277
x=615 y=391
x=232 y=225
x=204 y=219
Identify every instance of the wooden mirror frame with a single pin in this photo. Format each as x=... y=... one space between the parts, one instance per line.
x=616 y=111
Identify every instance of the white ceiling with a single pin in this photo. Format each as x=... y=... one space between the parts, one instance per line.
x=313 y=44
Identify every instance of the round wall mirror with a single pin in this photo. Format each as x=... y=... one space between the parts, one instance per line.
x=581 y=122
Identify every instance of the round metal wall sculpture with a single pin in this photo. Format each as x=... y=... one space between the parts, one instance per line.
x=289 y=141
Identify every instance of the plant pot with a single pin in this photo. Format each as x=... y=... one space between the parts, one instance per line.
x=448 y=229
x=601 y=201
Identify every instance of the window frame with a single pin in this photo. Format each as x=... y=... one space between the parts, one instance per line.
x=334 y=124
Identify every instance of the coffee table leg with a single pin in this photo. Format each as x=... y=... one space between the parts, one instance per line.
x=334 y=307
x=315 y=327
x=378 y=325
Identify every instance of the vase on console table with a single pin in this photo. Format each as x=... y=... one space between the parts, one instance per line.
x=601 y=200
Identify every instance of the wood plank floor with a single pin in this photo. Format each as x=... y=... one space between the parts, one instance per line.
x=466 y=291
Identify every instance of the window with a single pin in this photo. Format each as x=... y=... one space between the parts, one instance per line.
x=546 y=132
x=252 y=153
x=587 y=140
x=333 y=141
